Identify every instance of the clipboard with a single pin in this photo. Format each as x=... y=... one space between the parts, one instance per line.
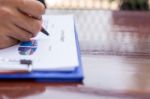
x=69 y=76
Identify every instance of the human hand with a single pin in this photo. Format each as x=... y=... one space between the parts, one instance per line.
x=20 y=20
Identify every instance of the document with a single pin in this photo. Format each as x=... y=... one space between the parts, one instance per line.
x=55 y=52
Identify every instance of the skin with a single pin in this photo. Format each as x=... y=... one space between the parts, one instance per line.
x=20 y=20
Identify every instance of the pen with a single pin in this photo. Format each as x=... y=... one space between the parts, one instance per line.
x=43 y=1
x=44 y=30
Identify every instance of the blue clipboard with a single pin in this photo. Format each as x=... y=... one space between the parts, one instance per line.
x=51 y=76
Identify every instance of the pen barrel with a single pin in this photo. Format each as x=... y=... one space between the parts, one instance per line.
x=43 y=1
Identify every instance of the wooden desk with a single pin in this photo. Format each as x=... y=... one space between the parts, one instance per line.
x=116 y=59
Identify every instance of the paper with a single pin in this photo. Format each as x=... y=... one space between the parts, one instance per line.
x=55 y=52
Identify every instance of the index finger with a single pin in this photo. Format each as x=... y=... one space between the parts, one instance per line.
x=33 y=8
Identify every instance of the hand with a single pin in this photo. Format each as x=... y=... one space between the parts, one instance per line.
x=20 y=20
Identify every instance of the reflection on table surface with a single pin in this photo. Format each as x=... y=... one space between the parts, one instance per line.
x=115 y=54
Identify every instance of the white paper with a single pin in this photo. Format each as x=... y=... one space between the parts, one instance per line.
x=55 y=52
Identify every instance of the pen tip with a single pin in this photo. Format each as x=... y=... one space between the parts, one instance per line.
x=44 y=31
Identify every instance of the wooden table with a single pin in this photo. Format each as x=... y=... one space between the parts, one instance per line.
x=116 y=60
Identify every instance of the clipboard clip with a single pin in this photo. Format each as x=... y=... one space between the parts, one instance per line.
x=29 y=63
x=26 y=62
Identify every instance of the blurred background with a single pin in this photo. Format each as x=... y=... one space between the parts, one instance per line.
x=100 y=4
x=108 y=26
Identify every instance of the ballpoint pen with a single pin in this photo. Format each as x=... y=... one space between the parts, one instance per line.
x=43 y=1
x=44 y=30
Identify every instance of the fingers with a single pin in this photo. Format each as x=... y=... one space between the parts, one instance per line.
x=7 y=42
x=19 y=20
x=19 y=33
x=27 y=23
x=22 y=27
x=31 y=7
